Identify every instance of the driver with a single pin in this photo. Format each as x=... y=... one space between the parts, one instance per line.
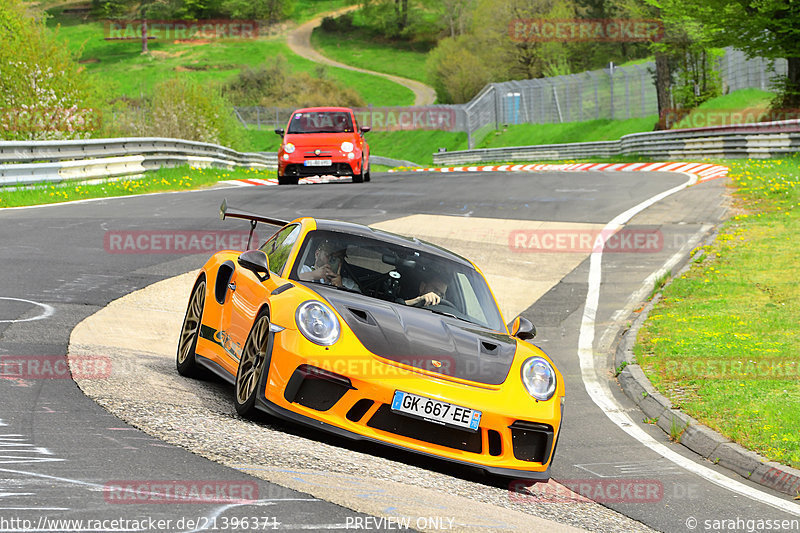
x=431 y=292
x=328 y=260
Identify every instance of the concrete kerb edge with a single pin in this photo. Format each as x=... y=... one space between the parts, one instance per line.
x=683 y=428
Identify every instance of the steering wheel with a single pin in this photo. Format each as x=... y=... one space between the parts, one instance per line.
x=442 y=301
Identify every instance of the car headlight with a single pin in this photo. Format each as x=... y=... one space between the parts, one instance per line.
x=347 y=146
x=317 y=323
x=539 y=377
x=288 y=148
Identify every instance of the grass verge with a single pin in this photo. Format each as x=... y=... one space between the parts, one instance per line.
x=363 y=50
x=722 y=343
x=567 y=132
x=127 y=73
x=161 y=180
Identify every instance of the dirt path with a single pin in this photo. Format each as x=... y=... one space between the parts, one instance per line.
x=299 y=41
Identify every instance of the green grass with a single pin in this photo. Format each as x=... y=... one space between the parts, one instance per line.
x=305 y=10
x=738 y=305
x=362 y=50
x=567 y=132
x=121 y=66
x=161 y=180
x=416 y=146
x=738 y=107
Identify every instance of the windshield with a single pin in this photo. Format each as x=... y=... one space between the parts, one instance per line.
x=321 y=122
x=397 y=274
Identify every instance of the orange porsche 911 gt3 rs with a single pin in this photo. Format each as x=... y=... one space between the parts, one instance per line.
x=374 y=336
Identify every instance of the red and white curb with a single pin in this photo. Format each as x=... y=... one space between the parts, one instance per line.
x=704 y=171
x=274 y=181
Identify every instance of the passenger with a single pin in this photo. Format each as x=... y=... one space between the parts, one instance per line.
x=328 y=260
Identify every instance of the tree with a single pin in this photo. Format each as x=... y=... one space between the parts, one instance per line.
x=44 y=94
x=455 y=15
x=766 y=28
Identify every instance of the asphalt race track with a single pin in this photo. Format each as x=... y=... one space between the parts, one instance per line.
x=62 y=455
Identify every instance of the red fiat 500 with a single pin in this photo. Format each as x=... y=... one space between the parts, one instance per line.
x=323 y=141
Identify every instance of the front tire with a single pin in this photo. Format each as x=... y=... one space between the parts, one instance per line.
x=287 y=180
x=252 y=366
x=358 y=178
x=186 y=361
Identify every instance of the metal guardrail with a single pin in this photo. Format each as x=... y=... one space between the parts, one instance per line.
x=766 y=139
x=30 y=162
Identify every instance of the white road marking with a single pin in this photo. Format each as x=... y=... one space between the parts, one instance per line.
x=615 y=470
x=47 y=310
x=601 y=395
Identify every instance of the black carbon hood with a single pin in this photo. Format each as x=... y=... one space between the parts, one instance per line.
x=422 y=339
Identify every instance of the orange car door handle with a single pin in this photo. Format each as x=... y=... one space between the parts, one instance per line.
x=232 y=286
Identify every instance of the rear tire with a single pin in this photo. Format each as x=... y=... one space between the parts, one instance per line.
x=252 y=366
x=186 y=361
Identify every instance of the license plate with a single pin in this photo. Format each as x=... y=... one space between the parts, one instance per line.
x=436 y=411
x=318 y=162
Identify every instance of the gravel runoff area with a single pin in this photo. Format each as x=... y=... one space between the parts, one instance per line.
x=138 y=334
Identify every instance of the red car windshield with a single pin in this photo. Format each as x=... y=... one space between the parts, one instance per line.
x=321 y=122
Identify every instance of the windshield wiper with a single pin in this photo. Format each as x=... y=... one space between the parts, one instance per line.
x=451 y=315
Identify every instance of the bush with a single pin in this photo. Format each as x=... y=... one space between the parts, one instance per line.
x=457 y=72
x=44 y=94
x=274 y=85
x=182 y=109
x=341 y=24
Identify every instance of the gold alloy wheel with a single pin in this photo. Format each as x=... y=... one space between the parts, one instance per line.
x=251 y=366
x=191 y=327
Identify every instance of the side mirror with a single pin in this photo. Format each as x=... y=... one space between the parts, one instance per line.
x=279 y=131
x=522 y=328
x=257 y=262
x=365 y=129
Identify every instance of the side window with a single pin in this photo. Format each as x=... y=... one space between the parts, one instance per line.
x=471 y=300
x=278 y=247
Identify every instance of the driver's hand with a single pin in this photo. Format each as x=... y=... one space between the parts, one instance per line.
x=430 y=298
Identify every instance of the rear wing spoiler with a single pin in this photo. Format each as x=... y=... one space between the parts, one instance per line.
x=229 y=212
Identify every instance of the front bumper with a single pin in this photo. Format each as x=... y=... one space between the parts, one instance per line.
x=340 y=165
x=516 y=438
